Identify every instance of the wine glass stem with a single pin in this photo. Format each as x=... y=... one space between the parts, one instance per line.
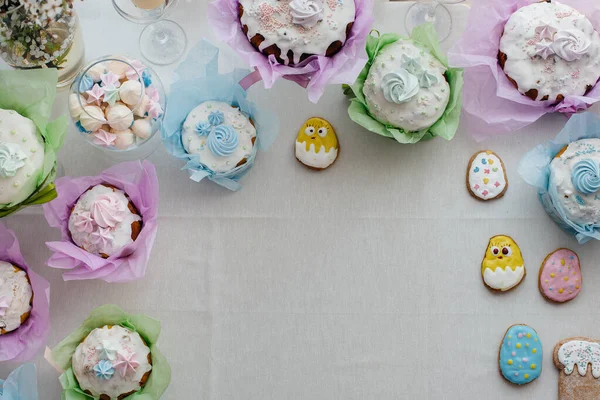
x=431 y=10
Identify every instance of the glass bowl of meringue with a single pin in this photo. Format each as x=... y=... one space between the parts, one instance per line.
x=117 y=104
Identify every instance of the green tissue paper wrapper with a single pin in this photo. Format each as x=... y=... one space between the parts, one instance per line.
x=445 y=127
x=149 y=330
x=31 y=93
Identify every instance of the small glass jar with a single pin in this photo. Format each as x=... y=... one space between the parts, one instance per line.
x=117 y=105
x=32 y=38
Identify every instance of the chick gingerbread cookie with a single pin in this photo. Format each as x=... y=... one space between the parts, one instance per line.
x=578 y=360
x=317 y=144
x=520 y=355
x=502 y=268
x=560 y=276
x=486 y=176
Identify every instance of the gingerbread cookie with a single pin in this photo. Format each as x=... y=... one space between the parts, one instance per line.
x=560 y=276
x=520 y=355
x=581 y=354
x=317 y=144
x=486 y=176
x=502 y=267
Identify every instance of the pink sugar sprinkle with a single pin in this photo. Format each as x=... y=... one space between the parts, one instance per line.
x=561 y=15
x=332 y=4
x=576 y=74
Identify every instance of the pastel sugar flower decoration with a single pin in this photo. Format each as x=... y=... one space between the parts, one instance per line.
x=85 y=83
x=216 y=118
x=111 y=95
x=586 y=176
x=102 y=236
x=107 y=351
x=155 y=110
x=107 y=211
x=152 y=94
x=104 y=369
x=223 y=140
x=84 y=222
x=125 y=363
x=203 y=128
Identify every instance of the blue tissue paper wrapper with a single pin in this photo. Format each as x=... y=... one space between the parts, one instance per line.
x=197 y=80
x=535 y=170
x=21 y=384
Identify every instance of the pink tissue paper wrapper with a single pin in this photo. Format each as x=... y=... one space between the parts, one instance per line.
x=343 y=68
x=24 y=343
x=491 y=104
x=139 y=181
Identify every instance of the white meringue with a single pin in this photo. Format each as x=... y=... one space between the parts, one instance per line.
x=118 y=68
x=92 y=118
x=141 y=110
x=96 y=72
x=119 y=117
x=131 y=92
x=75 y=106
x=142 y=128
x=124 y=140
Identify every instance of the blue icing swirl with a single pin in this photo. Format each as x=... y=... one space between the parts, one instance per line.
x=11 y=159
x=104 y=369
x=85 y=83
x=223 y=140
x=203 y=128
x=521 y=355
x=147 y=78
x=400 y=86
x=412 y=65
x=216 y=118
x=586 y=176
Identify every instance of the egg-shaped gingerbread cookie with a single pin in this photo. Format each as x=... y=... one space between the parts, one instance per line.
x=502 y=268
x=560 y=276
x=317 y=145
x=520 y=356
x=486 y=176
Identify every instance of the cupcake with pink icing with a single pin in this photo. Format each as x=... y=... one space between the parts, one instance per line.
x=104 y=220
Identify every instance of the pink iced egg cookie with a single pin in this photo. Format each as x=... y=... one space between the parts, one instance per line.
x=560 y=276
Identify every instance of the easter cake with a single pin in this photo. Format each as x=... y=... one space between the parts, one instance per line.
x=292 y=31
x=406 y=87
x=16 y=297
x=104 y=220
x=549 y=51
x=578 y=360
x=112 y=363
x=575 y=181
x=220 y=135
x=21 y=157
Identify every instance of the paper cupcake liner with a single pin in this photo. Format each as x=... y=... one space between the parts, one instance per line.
x=445 y=127
x=535 y=170
x=492 y=105
x=24 y=343
x=31 y=93
x=199 y=81
x=139 y=181
x=318 y=71
x=21 y=384
x=148 y=329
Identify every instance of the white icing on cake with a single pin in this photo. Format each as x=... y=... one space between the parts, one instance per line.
x=110 y=345
x=115 y=228
x=579 y=207
x=20 y=143
x=274 y=20
x=15 y=296
x=503 y=278
x=196 y=143
x=421 y=110
x=552 y=48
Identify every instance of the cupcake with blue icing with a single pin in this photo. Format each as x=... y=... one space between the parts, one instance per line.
x=575 y=181
x=220 y=135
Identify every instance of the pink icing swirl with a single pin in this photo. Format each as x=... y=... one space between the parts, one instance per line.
x=108 y=210
x=83 y=222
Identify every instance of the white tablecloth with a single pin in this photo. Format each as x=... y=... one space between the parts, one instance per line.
x=360 y=282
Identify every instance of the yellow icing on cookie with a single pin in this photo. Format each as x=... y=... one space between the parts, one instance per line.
x=322 y=134
x=511 y=260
